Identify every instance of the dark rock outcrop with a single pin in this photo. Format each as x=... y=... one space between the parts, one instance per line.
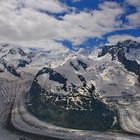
x=80 y=108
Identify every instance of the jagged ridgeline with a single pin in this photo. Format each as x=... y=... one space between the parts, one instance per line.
x=67 y=104
x=127 y=52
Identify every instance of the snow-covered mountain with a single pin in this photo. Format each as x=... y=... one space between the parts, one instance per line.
x=115 y=68
x=85 y=82
x=77 y=89
x=14 y=58
x=51 y=58
x=127 y=53
x=110 y=68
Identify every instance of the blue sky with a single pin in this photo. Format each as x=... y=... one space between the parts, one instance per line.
x=94 y=4
x=56 y=24
x=82 y=4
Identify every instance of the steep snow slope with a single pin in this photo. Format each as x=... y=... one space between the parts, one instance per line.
x=51 y=58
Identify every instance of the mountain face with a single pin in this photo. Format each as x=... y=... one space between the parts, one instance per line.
x=54 y=97
x=127 y=52
x=13 y=57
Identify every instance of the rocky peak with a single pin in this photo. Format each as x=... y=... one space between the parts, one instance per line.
x=122 y=52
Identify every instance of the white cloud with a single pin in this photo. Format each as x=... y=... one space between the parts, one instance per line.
x=94 y=23
x=135 y=3
x=52 y=6
x=30 y=27
x=134 y=19
x=116 y=38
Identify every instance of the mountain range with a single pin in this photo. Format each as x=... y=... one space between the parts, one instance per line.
x=85 y=89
